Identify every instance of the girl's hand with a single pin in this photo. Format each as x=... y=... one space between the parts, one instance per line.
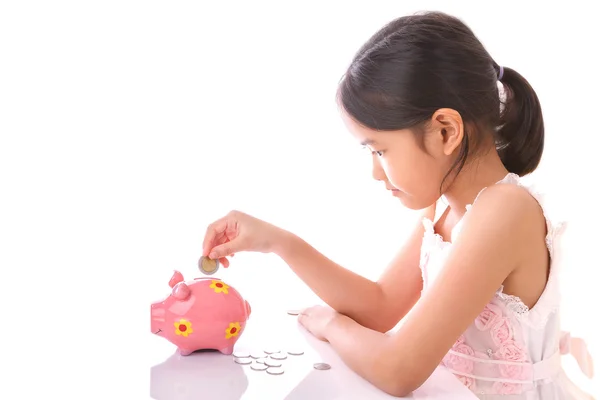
x=239 y=232
x=317 y=320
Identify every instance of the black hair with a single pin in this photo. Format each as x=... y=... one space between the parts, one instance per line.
x=420 y=63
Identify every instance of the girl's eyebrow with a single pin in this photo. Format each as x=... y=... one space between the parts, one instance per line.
x=367 y=142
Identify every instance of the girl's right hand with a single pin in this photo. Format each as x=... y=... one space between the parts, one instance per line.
x=237 y=232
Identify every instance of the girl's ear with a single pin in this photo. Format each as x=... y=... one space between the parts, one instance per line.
x=449 y=128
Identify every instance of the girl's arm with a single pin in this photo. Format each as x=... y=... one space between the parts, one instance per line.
x=499 y=230
x=377 y=305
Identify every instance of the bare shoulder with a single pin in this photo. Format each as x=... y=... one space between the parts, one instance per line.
x=511 y=208
x=509 y=201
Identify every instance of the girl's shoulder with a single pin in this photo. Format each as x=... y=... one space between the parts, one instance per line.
x=515 y=195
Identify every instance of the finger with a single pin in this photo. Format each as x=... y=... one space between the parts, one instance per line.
x=223 y=250
x=302 y=319
x=224 y=262
x=213 y=232
x=305 y=311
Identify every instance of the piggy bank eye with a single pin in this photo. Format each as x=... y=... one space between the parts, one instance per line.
x=181 y=291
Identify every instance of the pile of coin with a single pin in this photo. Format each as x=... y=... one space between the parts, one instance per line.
x=271 y=360
x=207 y=265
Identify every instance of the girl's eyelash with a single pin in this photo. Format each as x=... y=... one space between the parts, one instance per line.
x=378 y=152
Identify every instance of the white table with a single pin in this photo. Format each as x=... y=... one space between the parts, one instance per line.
x=211 y=375
x=90 y=339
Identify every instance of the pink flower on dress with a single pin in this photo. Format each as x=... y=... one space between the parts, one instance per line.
x=458 y=363
x=510 y=351
x=506 y=388
x=488 y=317
x=501 y=331
x=468 y=382
x=517 y=372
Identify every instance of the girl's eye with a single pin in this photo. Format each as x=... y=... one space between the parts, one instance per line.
x=378 y=152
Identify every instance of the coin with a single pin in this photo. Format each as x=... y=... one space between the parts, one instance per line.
x=295 y=352
x=243 y=361
x=273 y=363
x=260 y=361
x=322 y=366
x=241 y=354
x=258 y=354
x=271 y=351
x=259 y=367
x=275 y=371
x=208 y=266
x=278 y=356
x=294 y=312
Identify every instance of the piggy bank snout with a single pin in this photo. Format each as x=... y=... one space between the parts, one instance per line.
x=157 y=317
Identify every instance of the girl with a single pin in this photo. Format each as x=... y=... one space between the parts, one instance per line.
x=477 y=282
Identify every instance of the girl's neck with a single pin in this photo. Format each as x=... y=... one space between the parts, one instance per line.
x=476 y=175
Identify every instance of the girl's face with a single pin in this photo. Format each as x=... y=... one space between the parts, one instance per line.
x=412 y=172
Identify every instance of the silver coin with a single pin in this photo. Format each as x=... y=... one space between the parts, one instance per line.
x=208 y=266
x=275 y=371
x=272 y=351
x=293 y=312
x=322 y=366
x=278 y=356
x=273 y=363
x=243 y=361
x=260 y=361
x=259 y=367
x=295 y=352
x=241 y=354
x=257 y=354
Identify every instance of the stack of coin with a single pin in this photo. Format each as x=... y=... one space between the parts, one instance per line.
x=208 y=266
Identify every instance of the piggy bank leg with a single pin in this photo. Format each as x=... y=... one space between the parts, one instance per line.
x=227 y=350
x=185 y=352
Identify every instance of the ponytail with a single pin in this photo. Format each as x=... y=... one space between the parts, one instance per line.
x=520 y=137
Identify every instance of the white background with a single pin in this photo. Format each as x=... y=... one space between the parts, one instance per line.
x=128 y=126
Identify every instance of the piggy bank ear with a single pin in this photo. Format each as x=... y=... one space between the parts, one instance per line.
x=175 y=279
x=181 y=291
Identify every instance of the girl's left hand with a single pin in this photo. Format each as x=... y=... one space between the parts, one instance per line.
x=317 y=319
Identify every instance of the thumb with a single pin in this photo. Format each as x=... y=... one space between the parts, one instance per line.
x=224 y=250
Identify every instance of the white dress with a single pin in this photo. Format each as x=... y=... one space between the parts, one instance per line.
x=511 y=352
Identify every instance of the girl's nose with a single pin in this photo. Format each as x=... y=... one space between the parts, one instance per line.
x=377 y=172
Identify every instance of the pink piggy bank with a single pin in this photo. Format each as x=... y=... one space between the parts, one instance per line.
x=202 y=314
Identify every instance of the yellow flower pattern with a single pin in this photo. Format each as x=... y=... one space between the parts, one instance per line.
x=183 y=327
x=233 y=330
x=219 y=287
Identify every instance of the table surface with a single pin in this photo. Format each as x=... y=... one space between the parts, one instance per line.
x=91 y=339
x=212 y=375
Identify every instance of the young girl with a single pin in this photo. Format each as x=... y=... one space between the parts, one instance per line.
x=451 y=132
